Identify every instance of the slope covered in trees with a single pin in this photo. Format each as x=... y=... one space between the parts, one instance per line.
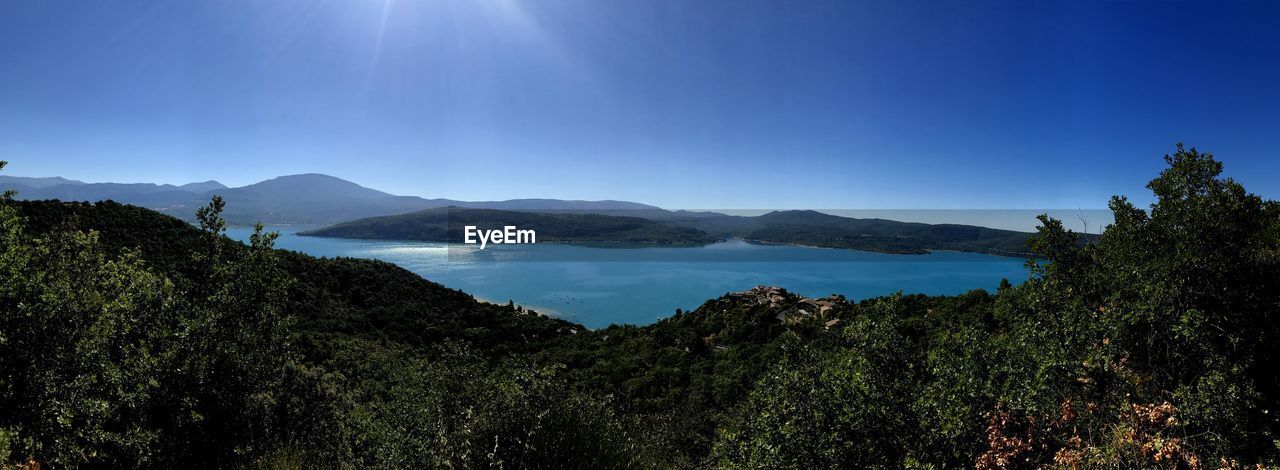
x=134 y=339
x=330 y=298
x=447 y=224
x=656 y=226
x=1147 y=348
x=812 y=228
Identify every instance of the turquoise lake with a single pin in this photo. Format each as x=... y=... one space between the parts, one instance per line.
x=601 y=286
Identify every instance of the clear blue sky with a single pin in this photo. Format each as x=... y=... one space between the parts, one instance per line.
x=700 y=104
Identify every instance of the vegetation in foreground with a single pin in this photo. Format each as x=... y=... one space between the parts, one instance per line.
x=129 y=339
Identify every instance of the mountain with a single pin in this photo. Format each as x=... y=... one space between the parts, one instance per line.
x=812 y=228
x=156 y=196
x=332 y=297
x=294 y=199
x=447 y=224
x=317 y=198
x=202 y=187
x=312 y=186
x=36 y=182
x=310 y=198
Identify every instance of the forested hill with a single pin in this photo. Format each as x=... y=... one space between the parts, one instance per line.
x=824 y=230
x=812 y=228
x=658 y=227
x=447 y=225
x=329 y=298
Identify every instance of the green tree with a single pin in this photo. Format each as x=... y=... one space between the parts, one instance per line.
x=78 y=331
x=1173 y=310
x=105 y=362
x=830 y=408
x=463 y=411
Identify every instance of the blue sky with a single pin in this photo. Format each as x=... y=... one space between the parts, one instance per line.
x=695 y=104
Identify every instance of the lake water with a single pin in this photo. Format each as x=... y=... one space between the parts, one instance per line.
x=602 y=286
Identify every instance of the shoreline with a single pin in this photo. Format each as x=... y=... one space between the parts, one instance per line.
x=527 y=307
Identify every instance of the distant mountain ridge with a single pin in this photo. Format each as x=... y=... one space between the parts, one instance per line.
x=203 y=186
x=62 y=188
x=309 y=198
x=37 y=182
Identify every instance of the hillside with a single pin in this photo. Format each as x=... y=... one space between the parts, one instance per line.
x=447 y=225
x=822 y=230
x=656 y=226
x=812 y=228
x=340 y=297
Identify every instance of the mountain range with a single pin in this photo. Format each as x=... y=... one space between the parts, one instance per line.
x=295 y=199
x=354 y=211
